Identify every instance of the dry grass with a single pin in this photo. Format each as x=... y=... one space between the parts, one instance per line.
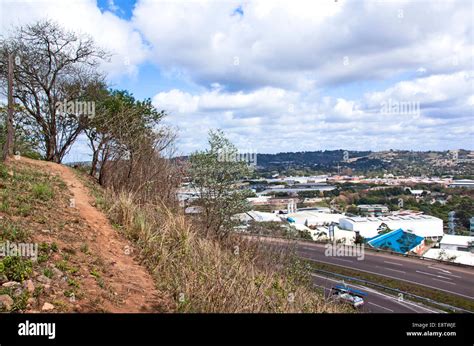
x=204 y=275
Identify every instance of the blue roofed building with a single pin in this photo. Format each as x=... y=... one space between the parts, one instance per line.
x=398 y=241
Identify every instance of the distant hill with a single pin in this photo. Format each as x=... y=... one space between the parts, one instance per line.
x=403 y=162
x=400 y=162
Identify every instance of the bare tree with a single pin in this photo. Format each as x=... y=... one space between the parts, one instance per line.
x=52 y=76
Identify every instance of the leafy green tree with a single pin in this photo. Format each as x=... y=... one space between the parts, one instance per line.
x=215 y=173
x=122 y=127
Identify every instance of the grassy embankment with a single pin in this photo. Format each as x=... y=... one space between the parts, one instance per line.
x=34 y=211
x=203 y=275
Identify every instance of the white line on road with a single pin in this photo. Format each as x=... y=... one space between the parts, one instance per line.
x=446 y=282
x=446 y=272
x=344 y=260
x=443 y=270
x=438 y=276
x=381 y=306
x=395 y=270
x=397 y=264
x=307 y=248
x=392 y=277
x=405 y=303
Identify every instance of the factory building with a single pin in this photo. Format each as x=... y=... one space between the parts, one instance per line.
x=372 y=209
x=467 y=183
x=457 y=242
x=425 y=226
x=314 y=217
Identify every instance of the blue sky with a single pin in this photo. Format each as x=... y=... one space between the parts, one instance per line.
x=121 y=8
x=287 y=75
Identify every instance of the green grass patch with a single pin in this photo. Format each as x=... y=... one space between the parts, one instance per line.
x=16 y=268
x=20 y=302
x=48 y=273
x=3 y=172
x=64 y=266
x=42 y=191
x=12 y=232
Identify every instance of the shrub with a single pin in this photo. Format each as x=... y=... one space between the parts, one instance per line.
x=16 y=268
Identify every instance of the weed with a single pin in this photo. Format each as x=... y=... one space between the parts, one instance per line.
x=85 y=248
x=72 y=282
x=42 y=191
x=48 y=273
x=95 y=273
x=12 y=232
x=16 y=268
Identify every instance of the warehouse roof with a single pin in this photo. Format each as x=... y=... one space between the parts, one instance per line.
x=460 y=240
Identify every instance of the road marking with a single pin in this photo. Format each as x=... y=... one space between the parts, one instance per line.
x=446 y=282
x=307 y=248
x=344 y=260
x=381 y=307
x=446 y=272
x=392 y=277
x=395 y=270
x=443 y=270
x=455 y=276
x=438 y=276
x=403 y=303
x=397 y=264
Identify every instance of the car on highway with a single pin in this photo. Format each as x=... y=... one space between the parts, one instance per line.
x=349 y=295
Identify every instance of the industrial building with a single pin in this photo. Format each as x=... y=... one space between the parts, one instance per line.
x=454 y=248
x=372 y=209
x=314 y=217
x=467 y=183
x=341 y=236
x=457 y=242
x=398 y=241
x=425 y=226
x=257 y=216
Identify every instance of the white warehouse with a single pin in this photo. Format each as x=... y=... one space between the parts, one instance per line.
x=422 y=225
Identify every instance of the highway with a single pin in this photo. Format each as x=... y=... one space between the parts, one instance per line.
x=448 y=278
x=376 y=301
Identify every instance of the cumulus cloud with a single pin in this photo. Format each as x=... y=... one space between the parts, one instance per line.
x=300 y=44
x=272 y=120
x=291 y=75
x=109 y=31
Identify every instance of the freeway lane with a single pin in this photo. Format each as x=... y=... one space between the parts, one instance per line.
x=451 y=279
x=376 y=301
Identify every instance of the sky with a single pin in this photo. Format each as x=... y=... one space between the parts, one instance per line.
x=282 y=76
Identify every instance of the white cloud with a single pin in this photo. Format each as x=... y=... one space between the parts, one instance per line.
x=300 y=44
x=445 y=95
x=108 y=30
x=292 y=75
x=273 y=120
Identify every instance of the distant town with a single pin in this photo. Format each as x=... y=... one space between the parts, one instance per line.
x=425 y=215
